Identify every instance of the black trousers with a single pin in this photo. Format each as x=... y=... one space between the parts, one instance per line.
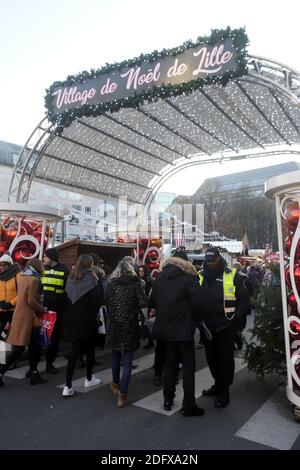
x=180 y=351
x=79 y=347
x=5 y=316
x=220 y=357
x=34 y=355
x=52 y=349
x=159 y=357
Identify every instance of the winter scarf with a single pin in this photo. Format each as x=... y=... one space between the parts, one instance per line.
x=77 y=289
x=10 y=272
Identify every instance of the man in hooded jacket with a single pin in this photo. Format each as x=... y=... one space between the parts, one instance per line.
x=176 y=297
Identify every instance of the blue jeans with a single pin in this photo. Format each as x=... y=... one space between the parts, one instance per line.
x=126 y=357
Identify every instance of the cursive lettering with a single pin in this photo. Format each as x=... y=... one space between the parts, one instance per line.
x=176 y=69
x=211 y=61
x=135 y=78
x=67 y=96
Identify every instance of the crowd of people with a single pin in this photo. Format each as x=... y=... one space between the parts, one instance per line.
x=213 y=299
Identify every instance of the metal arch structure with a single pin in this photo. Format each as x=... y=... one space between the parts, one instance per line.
x=133 y=152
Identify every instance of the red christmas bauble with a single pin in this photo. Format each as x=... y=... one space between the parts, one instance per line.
x=287 y=247
x=297 y=276
x=17 y=256
x=141 y=251
x=10 y=234
x=27 y=227
x=153 y=256
x=153 y=265
x=3 y=247
x=291 y=216
x=295 y=327
x=120 y=240
x=292 y=301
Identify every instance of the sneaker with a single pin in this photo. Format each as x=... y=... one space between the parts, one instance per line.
x=93 y=382
x=68 y=392
x=194 y=411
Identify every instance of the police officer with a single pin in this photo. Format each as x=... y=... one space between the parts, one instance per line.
x=225 y=300
x=54 y=283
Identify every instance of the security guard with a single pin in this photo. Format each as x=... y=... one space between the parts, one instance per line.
x=54 y=283
x=225 y=299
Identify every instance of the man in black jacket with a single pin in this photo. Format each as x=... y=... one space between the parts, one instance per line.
x=176 y=297
x=225 y=301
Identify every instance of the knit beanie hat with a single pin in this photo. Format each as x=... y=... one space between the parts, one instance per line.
x=52 y=253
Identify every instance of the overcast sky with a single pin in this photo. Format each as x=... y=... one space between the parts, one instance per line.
x=42 y=41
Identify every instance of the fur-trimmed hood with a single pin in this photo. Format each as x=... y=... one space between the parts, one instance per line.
x=174 y=266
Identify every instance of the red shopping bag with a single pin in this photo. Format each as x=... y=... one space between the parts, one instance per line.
x=44 y=333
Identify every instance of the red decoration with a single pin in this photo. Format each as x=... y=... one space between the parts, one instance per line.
x=141 y=252
x=295 y=327
x=287 y=247
x=291 y=215
x=153 y=255
x=288 y=276
x=10 y=235
x=297 y=277
x=3 y=247
x=292 y=301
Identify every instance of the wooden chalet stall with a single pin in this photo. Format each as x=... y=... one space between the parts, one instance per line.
x=111 y=253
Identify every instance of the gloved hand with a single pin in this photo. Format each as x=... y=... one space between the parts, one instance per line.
x=6 y=305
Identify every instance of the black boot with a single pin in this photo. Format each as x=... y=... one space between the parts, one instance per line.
x=168 y=405
x=210 y=392
x=192 y=411
x=36 y=378
x=222 y=400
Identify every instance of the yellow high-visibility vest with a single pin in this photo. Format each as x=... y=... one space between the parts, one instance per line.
x=228 y=290
x=53 y=281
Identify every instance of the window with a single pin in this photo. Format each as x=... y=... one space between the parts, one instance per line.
x=76 y=207
x=88 y=210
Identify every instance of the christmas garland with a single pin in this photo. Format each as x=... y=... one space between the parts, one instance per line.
x=240 y=42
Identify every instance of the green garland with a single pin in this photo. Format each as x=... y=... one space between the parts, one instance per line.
x=240 y=42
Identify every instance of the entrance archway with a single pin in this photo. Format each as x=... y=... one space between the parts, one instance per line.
x=131 y=146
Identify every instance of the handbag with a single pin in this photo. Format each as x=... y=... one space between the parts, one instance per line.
x=47 y=322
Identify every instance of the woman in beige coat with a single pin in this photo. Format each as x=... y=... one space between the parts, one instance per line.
x=28 y=305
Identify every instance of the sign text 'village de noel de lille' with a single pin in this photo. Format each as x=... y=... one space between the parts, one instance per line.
x=192 y=64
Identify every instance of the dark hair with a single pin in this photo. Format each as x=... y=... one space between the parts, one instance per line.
x=83 y=264
x=96 y=258
x=37 y=265
x=146 y=270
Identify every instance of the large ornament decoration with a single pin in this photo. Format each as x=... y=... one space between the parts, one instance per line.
x=21 y=238
x=290 y=215
x=148 y=251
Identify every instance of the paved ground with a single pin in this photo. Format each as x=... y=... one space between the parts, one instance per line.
x=38 y=417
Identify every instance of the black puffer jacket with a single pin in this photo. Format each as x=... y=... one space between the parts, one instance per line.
x=176 y=297
x=124 y=299
x=213 y=298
